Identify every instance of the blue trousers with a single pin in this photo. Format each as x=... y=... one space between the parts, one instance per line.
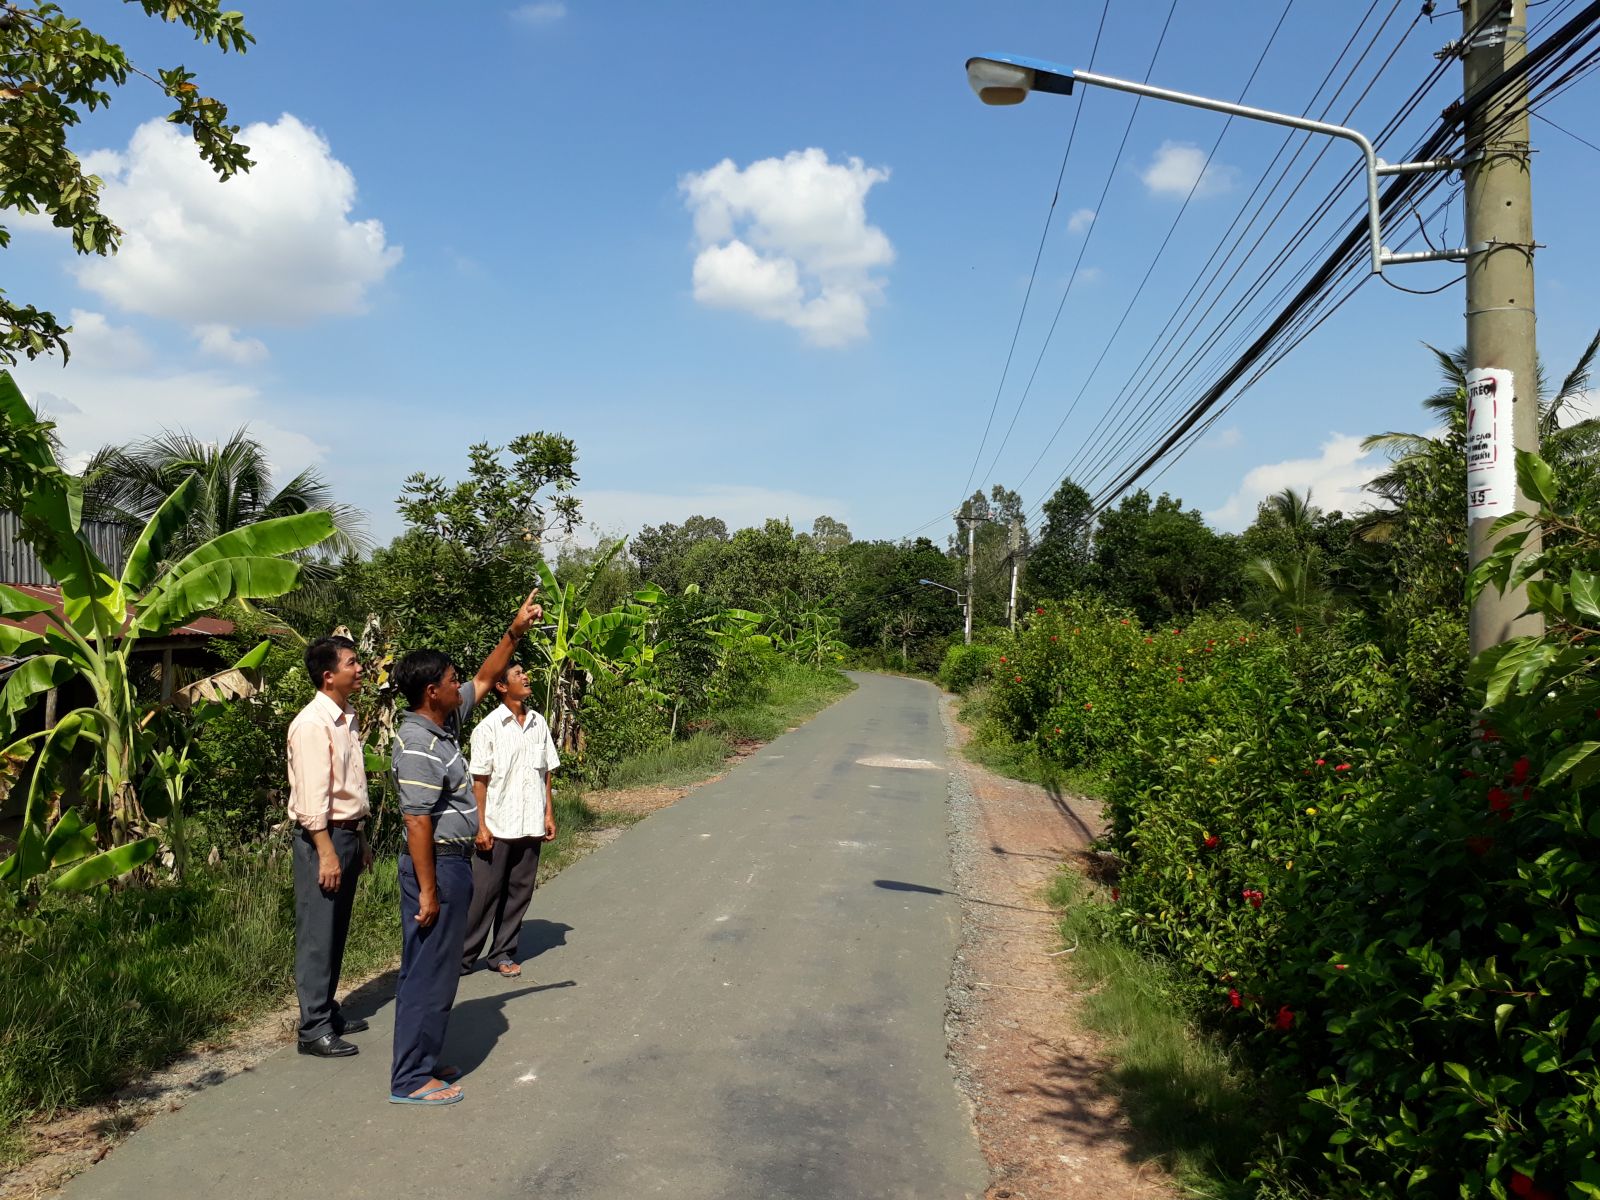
x=430 y=968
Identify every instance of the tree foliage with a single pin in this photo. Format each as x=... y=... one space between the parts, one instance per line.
x=54 y=70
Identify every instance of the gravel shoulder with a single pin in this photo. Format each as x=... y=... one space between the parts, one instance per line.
x=1047 y=1119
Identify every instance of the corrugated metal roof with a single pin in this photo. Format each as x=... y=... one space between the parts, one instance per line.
x=19 y=564
x=200 y=627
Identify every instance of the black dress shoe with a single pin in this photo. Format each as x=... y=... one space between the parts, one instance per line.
x=329 y=1045
x=355 y=1025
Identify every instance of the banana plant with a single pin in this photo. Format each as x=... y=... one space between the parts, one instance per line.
x=92 y=639
x=579 y=646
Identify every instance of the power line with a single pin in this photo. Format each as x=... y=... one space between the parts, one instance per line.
x=1072 y=137
x=1089 y=233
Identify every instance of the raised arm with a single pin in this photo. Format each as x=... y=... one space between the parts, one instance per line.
x=500 y=657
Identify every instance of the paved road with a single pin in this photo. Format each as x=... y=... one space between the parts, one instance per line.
x=742 y=997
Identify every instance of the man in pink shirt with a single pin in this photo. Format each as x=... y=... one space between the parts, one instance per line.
x=328 y=801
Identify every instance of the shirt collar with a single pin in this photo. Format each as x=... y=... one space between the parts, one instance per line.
x=507 y=717
x=333 y=708
x=416 y=718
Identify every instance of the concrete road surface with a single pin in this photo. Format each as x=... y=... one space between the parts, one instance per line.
x=742 y=997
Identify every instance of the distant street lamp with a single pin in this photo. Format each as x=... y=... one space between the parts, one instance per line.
x=966 y=604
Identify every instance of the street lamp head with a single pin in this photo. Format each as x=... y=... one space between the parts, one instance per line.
x=929 y=582
x=1007 y=78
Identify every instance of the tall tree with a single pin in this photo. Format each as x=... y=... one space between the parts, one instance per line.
x=662 y=551
x=234 y=483
x=1063 y=558
x=1161 y=560
x=53 y=69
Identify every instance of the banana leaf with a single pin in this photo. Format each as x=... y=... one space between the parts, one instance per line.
x=69 y=841
x=144 y=560
x=205 y=587
x=263 y=539
x=104 y=867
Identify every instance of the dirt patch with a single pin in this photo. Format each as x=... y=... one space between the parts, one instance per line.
x=1047 y=1120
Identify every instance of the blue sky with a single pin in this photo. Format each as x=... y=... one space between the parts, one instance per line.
x=755 y=259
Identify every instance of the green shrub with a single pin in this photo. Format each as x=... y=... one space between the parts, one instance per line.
x=619 y=720
x=965 y=666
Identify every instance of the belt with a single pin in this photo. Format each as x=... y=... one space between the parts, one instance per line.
x=449 y=850
x=354 y=823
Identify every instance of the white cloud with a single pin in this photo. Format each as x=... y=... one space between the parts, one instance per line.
x=1080 y=220
x=1337 y=479
x=1176 y=167
x=787 y=239
x=536 y=16
x=96 y=339
x=1225 y=439
x=1089 y=275
x=105 y=395
x=224 y=342
x=273 y=246
x=738 y=505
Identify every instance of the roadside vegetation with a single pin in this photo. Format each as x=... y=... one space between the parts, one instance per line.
x=1345 y=940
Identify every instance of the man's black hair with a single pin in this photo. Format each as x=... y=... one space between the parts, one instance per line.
x=418 y=671
x=322 y=656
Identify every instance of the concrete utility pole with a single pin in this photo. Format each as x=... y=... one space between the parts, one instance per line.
x=970 y=523
x=1018 y=554
x=1502 y=362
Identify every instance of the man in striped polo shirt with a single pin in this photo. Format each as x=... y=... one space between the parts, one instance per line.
x=441 y=816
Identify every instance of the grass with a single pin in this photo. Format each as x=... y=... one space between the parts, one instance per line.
x=123 y=981
x=697 y=756
x=777 y=701
x=1190 y=1105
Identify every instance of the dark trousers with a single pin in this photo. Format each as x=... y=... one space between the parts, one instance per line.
x=321 y=924
x=430 y=968
x=503 y=880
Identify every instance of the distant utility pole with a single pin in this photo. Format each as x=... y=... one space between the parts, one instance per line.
x=1502 y=361
x=1019 y=554
x=970 y=523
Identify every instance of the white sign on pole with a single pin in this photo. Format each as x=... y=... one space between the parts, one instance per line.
x=1491 y=455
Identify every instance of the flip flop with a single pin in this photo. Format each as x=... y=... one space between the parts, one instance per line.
x=429 y=1097
x=509 y=970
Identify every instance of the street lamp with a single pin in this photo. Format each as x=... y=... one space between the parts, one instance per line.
x=1007 y=79
x=966 y=604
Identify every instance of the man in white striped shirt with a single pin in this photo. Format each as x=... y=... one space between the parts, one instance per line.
x=512 y=757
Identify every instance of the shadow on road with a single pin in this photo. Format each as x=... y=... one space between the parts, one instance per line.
x=1062 y=801
x=539 y=935
x=899 y=885
x=477 y=1025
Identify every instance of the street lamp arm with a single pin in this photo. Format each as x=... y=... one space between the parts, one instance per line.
x=1007 y=79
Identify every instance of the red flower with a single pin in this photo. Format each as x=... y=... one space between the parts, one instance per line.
x=1285 y=1017
x=1002 y=658
x=1040 y=612
x=1253 y=896
x=1234 y=999
x=1468 y=773
x=1520 y=769
x=1490 y=735
x=1058 y=729
x=1322 y=762
x=1480 y=845
x=1016 y=679
x=1596 y=711
x=1342 y=767
x=1052 y=637
x=1088 y=704
x=1341 y=966
x=1176 y=632
x=1498 y=800
x=1212 y=841
x=1116 y=894
x=1521 y=1185
x=1147 y=641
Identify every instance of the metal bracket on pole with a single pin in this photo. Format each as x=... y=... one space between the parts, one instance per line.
x=1373 y=169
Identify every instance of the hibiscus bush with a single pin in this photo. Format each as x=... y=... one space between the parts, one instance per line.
x=1384 y=890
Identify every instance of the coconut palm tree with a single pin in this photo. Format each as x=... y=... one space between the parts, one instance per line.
x=128 y=484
